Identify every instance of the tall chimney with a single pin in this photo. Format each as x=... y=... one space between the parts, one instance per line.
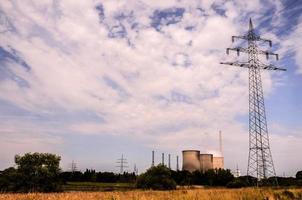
x=220 y=143
x=177 y=165
x=152 y=159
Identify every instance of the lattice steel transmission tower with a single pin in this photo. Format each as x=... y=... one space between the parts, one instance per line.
x=122 y=164
x=260 y=161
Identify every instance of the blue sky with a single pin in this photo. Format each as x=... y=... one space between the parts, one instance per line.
x=90 y=80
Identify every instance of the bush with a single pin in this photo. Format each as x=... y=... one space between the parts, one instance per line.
x=182 y=177
x=218 y=177
x=156 y=178
x=237 y=183
x=249 y=180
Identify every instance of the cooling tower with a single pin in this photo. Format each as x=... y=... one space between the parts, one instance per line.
x=206 y=162
x=218 y=162
x=191 y=160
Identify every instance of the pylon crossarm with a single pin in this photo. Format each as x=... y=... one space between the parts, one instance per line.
x=265 y=40
x=237 y=49
x=271 y=67
x=268 y=53
x=238 y=64
x=239 y=37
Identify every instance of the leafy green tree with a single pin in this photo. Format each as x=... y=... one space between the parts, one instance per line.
x=182 y=177
x=89 y=175
x=157 y=178
x=299 y=175
x=38 y=172
x=218 y=177
x=7 y=179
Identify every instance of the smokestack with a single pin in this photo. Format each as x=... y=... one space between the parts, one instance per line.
x=152 y=159
x=177 y=165
x=220 y=143
x=169 y=161
x=163 y=159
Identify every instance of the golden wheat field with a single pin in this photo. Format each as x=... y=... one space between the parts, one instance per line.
x=196 y=194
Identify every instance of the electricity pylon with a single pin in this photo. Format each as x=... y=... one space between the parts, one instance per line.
x=122 y=164
x=260 y=161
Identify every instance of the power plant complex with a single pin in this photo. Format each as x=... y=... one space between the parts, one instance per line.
x=193 y=160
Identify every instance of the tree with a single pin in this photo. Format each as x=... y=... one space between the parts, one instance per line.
x=182 y=177
x=157 y=178
x=38 y=172
x=299 y=175
x=7 y=179
x=218 y=177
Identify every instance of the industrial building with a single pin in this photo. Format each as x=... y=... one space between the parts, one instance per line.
x=191 y=160
x=218 y=162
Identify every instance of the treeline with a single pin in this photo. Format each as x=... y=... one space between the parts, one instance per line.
x=40 y=172
x=91 y=175
x=160 y=177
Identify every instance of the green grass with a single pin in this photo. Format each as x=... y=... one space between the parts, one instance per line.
x=96 y=186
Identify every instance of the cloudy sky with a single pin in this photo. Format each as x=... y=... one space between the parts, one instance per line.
x=90 y=80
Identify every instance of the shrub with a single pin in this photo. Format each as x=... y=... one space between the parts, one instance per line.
x=182 y=177
x=157 y=178
x=236 y=183
x=218 y=177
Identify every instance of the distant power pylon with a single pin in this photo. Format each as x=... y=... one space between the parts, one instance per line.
x=260 y=161
x=73 y=166
x=135 y=170
x=122 y=164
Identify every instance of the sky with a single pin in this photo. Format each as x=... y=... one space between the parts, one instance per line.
x=92 y=80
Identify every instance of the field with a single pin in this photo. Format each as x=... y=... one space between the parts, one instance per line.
x=191 y=194
x=96 y=186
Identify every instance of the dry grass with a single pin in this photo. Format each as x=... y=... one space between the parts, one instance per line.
x=196 y=194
